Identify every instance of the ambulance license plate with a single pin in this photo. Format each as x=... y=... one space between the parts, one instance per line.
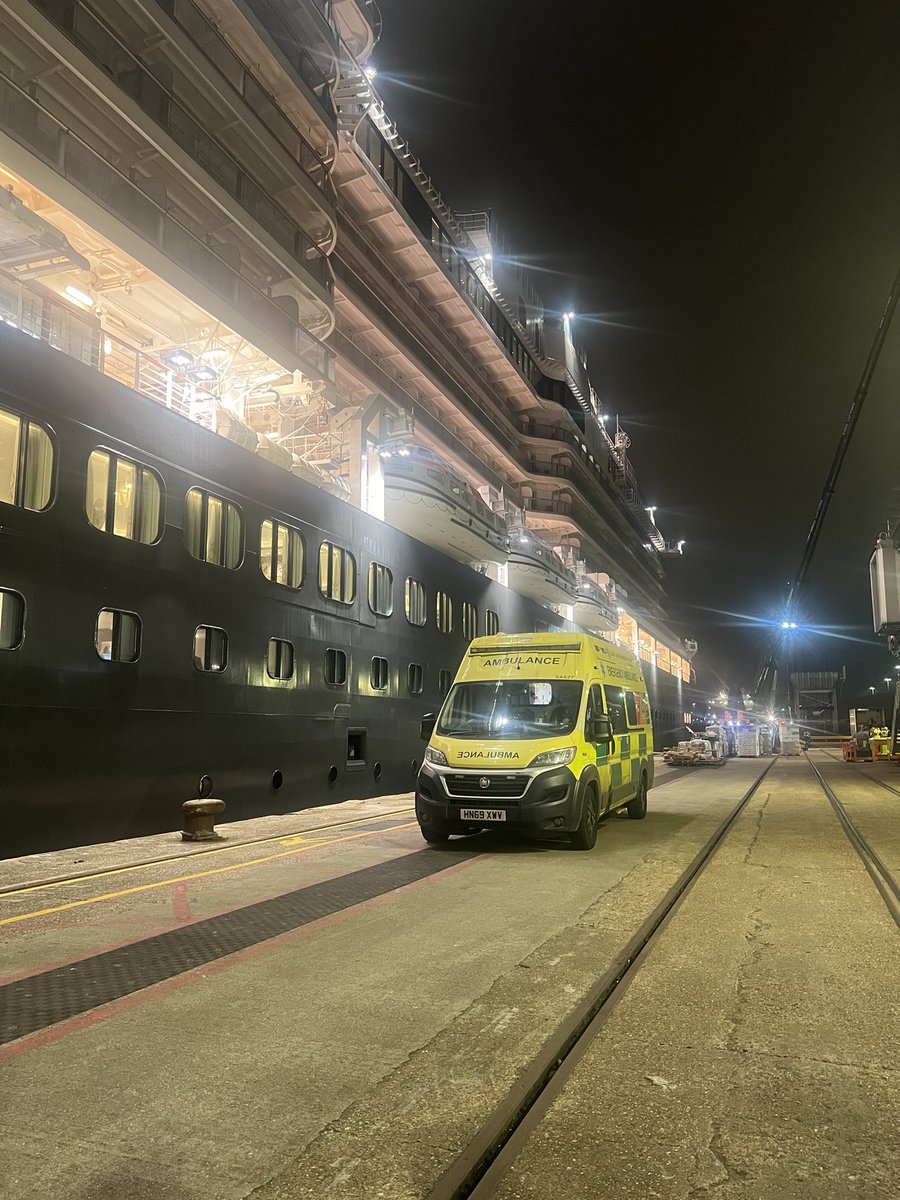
x=482 y=814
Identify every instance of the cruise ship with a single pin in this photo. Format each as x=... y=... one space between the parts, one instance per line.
x=280 y=431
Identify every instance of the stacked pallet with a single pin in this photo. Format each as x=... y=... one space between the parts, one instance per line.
x=748 y=742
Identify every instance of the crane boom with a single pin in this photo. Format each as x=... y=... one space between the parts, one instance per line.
x=766 y=680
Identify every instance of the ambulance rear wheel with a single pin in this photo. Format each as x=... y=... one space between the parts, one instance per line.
x=585 y=836
x=637 y=808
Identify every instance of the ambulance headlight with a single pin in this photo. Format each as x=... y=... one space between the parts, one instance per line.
x=554 y=758
x=438 y=757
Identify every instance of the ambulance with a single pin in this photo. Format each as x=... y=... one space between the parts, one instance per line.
x=543 y=733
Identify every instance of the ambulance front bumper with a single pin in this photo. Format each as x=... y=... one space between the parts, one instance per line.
x=540 y=801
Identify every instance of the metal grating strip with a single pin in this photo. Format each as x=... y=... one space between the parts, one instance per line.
x=28 y=1005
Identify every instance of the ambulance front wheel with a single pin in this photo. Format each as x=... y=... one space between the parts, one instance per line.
x=637 y=808
x=585 y=836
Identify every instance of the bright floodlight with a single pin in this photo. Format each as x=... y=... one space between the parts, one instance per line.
x=371 y=72
x=569 y=316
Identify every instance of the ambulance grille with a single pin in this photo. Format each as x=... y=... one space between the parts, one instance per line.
x=509 y=786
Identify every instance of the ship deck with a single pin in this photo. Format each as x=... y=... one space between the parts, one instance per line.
x=320 y=1005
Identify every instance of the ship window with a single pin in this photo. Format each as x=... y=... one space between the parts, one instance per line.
x=117 y=637
x=415 y=602
x=210 y=648
x=281 y=553
x=213 y=529
x=12 y=619
x=445 y=678
x=381 y=595
x=26 y=463
x=415 y=679
x=379 y=674
x=123 y=498
x=337 y=573
x=491 y=623
x=444 y=612
x=469 y=621
x=335 y=667
x=280 y=659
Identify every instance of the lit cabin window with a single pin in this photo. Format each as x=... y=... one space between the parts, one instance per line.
x=443 y=611
x=210 y=648
x=415 y=679
x=337 y=573
x=415 y=602
x=123 y=498
x=335 y=667
x=445 y=678
x=379 y=674
x=381 y=590
x=213 y=529
x=491 y=623
x=117 y=636
x=26 y=463
x=12 y=619
x=469 y=621
x=280 y=659
x=281 y=553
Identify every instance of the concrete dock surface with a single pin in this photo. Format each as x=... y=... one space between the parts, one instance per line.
x=324 y=1007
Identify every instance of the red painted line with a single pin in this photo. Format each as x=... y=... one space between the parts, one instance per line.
x=181 y=906
x=46 y=1037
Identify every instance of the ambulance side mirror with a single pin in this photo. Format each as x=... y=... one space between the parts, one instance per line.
x=600 y=729
x=426 y=726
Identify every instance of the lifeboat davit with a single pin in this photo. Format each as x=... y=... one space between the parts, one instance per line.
x=428 y=500
x=594 y=611
x=537 y=571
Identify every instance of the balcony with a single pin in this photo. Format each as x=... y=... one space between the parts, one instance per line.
x=157 y=101
x=204 y=275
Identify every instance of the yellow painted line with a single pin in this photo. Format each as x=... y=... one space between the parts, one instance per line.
x=146 y=887
x=162 y=862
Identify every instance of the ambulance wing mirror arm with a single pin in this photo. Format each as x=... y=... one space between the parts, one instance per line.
x=600 y=729
x=426 y=726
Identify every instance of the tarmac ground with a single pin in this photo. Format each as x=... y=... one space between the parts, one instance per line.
x=323 y=1006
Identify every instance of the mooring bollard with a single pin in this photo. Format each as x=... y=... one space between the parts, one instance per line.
x=199 y=819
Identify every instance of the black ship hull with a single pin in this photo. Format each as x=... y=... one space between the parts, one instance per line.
x=96 y=750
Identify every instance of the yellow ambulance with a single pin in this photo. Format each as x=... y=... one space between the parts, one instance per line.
x=541 y=732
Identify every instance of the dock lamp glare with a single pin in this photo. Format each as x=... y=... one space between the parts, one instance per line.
x=788 y=624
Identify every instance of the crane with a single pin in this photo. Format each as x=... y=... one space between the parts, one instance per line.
x=768 y=676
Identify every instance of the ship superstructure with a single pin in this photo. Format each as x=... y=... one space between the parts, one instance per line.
x=306 y=435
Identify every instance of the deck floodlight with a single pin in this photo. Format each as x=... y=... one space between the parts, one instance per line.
x=81 y=298
x=178 y=359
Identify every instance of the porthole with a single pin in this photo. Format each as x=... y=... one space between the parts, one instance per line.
x=377 y=771
x=332 y=774
x=277 y=780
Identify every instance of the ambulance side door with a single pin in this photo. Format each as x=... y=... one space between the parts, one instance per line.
x=596 y=707
x=620 y=746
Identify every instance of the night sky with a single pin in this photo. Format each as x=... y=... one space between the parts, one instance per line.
x=715 y=189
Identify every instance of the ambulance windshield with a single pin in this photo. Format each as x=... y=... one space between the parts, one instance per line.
x=511 y=708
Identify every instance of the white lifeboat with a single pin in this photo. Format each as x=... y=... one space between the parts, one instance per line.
x=535 y=570
x=593 y=609
x=428 y=500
